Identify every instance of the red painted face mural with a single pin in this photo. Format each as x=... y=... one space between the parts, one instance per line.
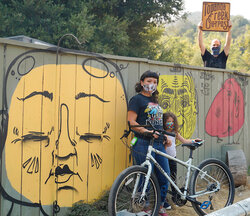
x=226 y=114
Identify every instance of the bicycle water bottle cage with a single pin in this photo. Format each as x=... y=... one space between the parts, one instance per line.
x=205 y=204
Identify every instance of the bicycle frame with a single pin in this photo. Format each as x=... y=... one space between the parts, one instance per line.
x=187 y=164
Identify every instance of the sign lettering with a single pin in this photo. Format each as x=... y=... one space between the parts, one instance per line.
x=215 y=16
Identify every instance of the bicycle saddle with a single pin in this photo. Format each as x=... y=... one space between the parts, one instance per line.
x=192 y=145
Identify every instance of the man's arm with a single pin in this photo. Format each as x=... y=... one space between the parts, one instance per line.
x=200 y=39
x=228 y=39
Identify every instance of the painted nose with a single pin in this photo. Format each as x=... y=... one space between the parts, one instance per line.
x=64 y=144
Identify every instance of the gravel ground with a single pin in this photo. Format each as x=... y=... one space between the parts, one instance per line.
x=241 y=193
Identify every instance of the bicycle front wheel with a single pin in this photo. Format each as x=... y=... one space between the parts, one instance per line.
x=201 y=184
x=125 y=195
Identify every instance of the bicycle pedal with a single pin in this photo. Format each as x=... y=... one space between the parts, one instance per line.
x=205 y=204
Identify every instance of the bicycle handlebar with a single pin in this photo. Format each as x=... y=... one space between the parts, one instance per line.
x=127 y=132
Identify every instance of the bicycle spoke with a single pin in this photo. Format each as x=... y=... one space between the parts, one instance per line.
x=222 y=194
x=134 y=203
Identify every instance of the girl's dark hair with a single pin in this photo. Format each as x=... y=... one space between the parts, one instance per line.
x=138 y=87
x=165 y=118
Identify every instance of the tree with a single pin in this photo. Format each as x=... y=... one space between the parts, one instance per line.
x=239 y=25
x=240 y=52
x=121 y=27
x=177 y=49
x=179 y=44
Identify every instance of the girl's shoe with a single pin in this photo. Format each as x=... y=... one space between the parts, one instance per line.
x=167 y=206
x=148 y=212
x=163 y=212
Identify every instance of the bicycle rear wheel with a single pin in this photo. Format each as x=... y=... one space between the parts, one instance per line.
x=200 y=183
x=122 y=200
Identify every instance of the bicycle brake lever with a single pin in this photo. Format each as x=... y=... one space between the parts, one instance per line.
x=126 y=133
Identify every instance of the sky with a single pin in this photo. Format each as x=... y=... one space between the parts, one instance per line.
x=237 y=7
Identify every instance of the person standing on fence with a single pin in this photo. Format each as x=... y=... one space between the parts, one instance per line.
x=144 y=109
x=217 y=59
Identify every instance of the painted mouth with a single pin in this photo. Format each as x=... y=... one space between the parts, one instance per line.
x=66 y=188
x=62 y=174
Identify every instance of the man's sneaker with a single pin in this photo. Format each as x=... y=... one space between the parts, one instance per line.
x=167 y=206
x=163 y=212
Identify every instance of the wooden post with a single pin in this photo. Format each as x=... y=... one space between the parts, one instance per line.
x=237 y=163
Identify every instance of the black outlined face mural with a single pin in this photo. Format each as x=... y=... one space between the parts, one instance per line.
x=177 y=94
x=61 y=120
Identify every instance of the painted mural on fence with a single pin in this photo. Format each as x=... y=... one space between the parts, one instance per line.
x=225 y=116
x=59 y=126
x=177 y=94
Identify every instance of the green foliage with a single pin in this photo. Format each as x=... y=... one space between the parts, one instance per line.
x=240 y=52
x=121 y=27
x=175 y=49
x=239 y=25
x=97 y=208
x=180 y=45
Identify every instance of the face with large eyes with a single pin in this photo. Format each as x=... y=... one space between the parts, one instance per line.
x=58 y=121
x=177 y=95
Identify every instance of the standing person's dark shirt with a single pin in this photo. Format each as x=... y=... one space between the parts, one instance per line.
x=214 y=62
x=147 y=112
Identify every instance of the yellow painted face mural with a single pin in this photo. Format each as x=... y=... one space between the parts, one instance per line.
x=61 y=129
x=177 y=94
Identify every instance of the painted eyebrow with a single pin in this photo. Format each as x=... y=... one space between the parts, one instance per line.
x=33 y=135
x=83 y=95
x=90 y=136
x=43 y=93
x=168 y=91
x=182 y=91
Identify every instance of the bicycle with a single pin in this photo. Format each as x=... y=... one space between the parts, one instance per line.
x=136 y=190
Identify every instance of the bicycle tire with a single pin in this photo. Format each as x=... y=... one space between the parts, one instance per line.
x=120 y=197
x=217 y=200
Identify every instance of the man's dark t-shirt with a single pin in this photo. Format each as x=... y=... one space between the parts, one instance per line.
x=214 y=62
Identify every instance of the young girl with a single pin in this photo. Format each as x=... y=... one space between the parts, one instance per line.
x=170 y=124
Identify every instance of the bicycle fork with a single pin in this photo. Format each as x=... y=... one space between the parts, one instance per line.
x=148 y=164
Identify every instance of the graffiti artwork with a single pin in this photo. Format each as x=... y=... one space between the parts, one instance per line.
x=177 y=94
x=226 y=114
x=56 y=121
x=206 y=79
